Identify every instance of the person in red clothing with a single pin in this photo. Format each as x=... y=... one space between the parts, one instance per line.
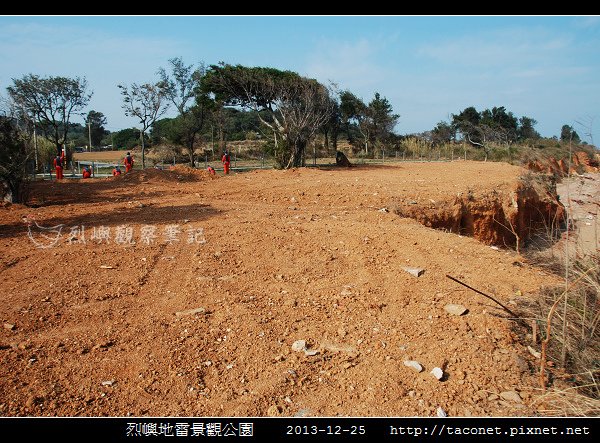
x=87 y=172
x=128 y=162
x=58 y=165
x=226 y=160
x=117 y=171
x=211 y=170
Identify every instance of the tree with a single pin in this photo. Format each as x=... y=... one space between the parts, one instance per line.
x=126 y=138
x=567 y=134
x=95 y=122
x=442 y=133
x=296 y=107
x=526 y=129
x=354 y=111
x=50 y=102
x=183 y=88
x=147 y=103
x=13 y=159
x=382 y=118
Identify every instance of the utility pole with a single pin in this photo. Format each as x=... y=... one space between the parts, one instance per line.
x=90 y=134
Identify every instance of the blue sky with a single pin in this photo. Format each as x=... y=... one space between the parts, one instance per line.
x=547 y=68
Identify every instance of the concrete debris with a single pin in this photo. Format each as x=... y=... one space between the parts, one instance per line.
x=417 y=272
x=455 y=309
x=440 y=412
x=413 y=364
x=437 y=373
x=106 y=267
x=108 y=382
x=190 y=312
x=384 y=210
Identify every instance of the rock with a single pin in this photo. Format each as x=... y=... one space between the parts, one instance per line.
x=108 y=382
x=413 y=364
x=274 y=411
x=311 y=352
x=302 y=412
x=384 y=210
x=533 y=352
x=9 y=326
x=106 y=267
x=440 y=412
x=190 y=312
x=299 y=346
x=334 y=347
x=346 y=291
x=511 y=396
x=417 y=272
x=521 y=363
x=453 y=309
x=437 y=373
x=492 y=397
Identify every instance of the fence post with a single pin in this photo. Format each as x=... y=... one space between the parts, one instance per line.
x=205 y=161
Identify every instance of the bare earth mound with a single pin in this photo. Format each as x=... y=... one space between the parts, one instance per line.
x=179 y=297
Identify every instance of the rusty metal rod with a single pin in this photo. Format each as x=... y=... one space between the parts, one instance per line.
x=485 y=295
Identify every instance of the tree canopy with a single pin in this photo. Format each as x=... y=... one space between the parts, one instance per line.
x=50 y=102
x=291 y=106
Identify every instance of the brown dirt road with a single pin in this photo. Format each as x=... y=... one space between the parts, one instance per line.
x=90 y=329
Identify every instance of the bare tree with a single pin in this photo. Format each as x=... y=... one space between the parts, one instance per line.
x=147 y=103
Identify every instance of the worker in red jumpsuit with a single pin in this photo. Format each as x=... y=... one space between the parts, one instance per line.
x=226 y=160
x=117 y=171
x=211 y=170
x=128 y=162
x=87 y=172
x=58 y=165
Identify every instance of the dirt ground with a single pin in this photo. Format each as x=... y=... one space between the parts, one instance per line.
x=167 y=293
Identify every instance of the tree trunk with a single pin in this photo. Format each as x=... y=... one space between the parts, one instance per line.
x=298 y=155
x=143 y=151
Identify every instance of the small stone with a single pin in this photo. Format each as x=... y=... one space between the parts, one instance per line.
x=511 y=396
x=299 y=346
x=413 y=364
x=455 y=309
x=384 y=210
x=274 y=411
x=492 y=397
x=311 y=352
x=9 y=326
x=347 y=365
x=437 y=373
x=108 y=382
x=417 y=272
x=302 y=412
x=533 y=352
x=190 y=312
x=440 y=412
x=521 y=363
